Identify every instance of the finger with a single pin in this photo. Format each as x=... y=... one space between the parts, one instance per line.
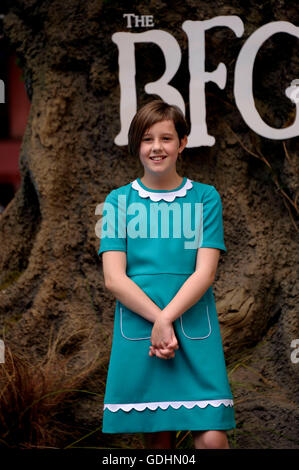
x=153 y=351
x=166 y=354
x=162 y=353
x=161 y=356
x=174 y=344
x=165 y=345
x=170 y=354
x=166 y=351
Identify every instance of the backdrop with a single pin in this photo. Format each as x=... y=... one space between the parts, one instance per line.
x=86 y=67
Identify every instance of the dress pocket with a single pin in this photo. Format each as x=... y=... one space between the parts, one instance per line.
x=195 y=322
x=133 y=326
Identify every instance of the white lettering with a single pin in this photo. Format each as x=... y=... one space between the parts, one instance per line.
x=127 y=71
x=98 y=227
x=139 y=20
x=2 y=351
x=243 y=81
x=163 y=209
x=129 y=16
x=295 y=353
x=188 y=217
x=195 y=31
x=2 y=92
x=119 y=460
x=137 y=226
x=149 y=21
x=170 y=216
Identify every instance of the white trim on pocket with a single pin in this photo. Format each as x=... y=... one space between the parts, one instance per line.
x=121 y=329
x=209 y=322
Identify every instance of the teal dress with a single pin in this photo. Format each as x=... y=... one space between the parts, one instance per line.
x=161 y=231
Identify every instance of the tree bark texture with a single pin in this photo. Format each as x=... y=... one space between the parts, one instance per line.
x=50 y=274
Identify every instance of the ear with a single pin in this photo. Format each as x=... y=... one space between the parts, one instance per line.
x=183 y=143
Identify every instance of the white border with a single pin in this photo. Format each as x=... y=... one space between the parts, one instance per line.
x=169 y=197
x=165 y=404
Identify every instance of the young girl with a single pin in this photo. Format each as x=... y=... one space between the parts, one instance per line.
x=161 y=239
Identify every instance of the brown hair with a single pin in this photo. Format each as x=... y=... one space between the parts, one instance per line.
x=149 y=114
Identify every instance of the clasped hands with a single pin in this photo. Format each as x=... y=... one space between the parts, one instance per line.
x=163 y=339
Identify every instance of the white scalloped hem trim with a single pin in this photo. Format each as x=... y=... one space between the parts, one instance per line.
x=165 y=404
x=169 y=197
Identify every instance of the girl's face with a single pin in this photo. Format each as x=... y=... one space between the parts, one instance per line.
x=159 y=148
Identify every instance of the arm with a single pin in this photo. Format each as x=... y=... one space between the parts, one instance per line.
x=124 y=289
x=113 y=248
x=128 y=293
x=212 y=241
x=190 y=292
x=195 y=286
x=114 y=257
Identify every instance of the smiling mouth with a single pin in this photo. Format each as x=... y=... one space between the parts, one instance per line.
x=158 y=159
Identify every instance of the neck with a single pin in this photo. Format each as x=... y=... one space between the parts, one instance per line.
x=168 y=182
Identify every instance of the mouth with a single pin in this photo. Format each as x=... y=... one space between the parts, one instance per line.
x=158 y=158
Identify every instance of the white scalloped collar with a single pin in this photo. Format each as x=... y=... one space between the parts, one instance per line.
x=166 y=195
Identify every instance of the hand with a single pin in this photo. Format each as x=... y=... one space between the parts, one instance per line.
x=166 y=353
x=163 y=338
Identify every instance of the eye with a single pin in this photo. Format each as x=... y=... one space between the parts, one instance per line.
x=146 y=139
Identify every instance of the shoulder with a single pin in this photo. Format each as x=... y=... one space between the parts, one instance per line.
x=121 y=190
x=205 y=191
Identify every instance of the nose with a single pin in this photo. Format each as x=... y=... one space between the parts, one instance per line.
x=156 y=145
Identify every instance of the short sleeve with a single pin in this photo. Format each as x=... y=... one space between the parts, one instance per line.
x=212 y=227
x=113 y=224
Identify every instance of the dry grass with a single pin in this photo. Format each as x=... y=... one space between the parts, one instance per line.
x=36 y=398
